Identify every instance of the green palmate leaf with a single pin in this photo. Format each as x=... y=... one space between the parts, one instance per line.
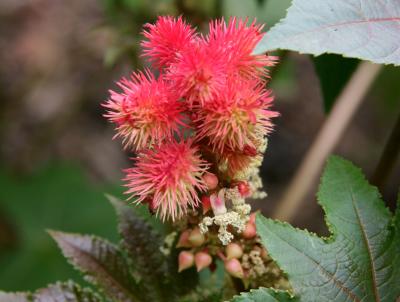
x=361 y=259
x=264 y=295
x=101 y=262
x=333 y=72
x=143 y=244
x=60 y=292
x=363 y=29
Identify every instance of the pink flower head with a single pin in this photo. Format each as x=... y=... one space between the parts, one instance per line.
x=146 y=112
x=168 y=176
x=236 y=116
x=168 y=37
x=238 y=39
x=199 y=73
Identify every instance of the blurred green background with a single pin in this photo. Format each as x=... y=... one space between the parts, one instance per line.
x=57 y=157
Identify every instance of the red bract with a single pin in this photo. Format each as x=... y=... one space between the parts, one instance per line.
x=146 y=112
x=166 y=39
x=169 y=175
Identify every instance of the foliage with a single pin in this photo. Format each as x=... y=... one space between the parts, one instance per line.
x=60 y=291
x=137 y=270
x=265 y=295
x=358 y=29
x=359 y=261
x=101 y=262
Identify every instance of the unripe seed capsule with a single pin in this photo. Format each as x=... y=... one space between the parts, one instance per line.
x=202 y=260
x=184 y=239
x=250 y=231
x=196 y=238
x=185 y=260
x=211 y=180
x=233 y=250
x=234 y=268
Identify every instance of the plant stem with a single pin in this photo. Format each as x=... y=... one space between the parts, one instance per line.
x=238 y=285
x=344 y=108
x=388 y=158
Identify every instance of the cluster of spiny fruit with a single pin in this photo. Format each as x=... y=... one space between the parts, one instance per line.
x=198 y=129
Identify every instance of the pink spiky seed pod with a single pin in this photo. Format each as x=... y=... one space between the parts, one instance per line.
x=238 y=38
x=166 y=39
x=169 y=174
x=199 y=73
x=185 y=260
x=237 y=117
x=202 y=260
x=146 y=112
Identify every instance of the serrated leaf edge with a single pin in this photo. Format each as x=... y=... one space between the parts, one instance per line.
x=243 y=294
x=86 y=275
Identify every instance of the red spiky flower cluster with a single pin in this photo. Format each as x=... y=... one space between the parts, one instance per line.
x=207 y=108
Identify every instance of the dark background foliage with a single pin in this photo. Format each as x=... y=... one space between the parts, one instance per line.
x=57 y=61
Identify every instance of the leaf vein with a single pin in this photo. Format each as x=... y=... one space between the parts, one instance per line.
x=368 y=246
x=340 y=285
